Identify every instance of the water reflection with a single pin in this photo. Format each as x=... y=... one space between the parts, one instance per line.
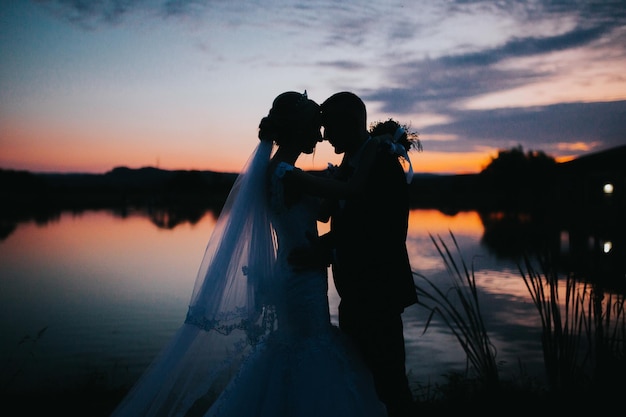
x=165 y=216
x=110 y=290
x=112 y=286
x=506 y=306
x=592 y=247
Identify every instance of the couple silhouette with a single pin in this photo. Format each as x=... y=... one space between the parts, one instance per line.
x=257 y=339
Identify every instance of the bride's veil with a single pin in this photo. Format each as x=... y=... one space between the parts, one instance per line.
x=231 y=307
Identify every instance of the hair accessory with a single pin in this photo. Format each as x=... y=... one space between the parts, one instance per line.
x=303 y=98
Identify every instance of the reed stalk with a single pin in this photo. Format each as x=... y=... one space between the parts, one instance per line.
x=459 y=308
x=566 y=317
x=609 y=340
x=583 y=329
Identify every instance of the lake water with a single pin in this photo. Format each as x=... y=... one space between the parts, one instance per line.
x=110 y=291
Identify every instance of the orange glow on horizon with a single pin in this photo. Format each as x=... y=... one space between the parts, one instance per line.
x=450 y=162
x=64 y=152
x=427 y=162
x=561 y=159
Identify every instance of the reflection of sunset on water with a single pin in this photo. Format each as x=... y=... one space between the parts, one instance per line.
x=502 y=293
x=423 y=223
x=465 y=226
x=507 y=281
x=103 y=247
x=435 y=222
x=111 y=281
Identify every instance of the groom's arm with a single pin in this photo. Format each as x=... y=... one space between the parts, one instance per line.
x=333 y=188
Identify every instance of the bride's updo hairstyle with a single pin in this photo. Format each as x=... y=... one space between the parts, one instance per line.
x=291 y=113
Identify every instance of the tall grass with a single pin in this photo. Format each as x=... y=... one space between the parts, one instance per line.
x=583 y=329
x=610 y=340
x=565 y=313
x=459 y=308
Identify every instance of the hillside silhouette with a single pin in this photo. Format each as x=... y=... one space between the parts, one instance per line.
x=521 y=180
x=167 y=197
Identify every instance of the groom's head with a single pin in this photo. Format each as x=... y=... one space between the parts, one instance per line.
x=344 y=118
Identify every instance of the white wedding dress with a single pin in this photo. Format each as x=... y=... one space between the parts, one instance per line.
x=306 y=367
x=257 y=340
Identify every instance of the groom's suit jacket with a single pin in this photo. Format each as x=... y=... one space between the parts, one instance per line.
x=371 y=266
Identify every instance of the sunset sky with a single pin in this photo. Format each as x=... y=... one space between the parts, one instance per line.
x=86 y=86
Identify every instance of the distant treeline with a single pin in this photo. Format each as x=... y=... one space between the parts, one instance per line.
x=525 y=200
x=120 y=187
x=513 y=180
x=528 y=181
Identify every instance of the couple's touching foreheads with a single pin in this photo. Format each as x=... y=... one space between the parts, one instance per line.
x=257 y=339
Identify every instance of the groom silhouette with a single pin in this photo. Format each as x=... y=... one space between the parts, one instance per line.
x=369 y=259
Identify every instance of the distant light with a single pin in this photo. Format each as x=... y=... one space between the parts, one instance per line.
x=564 y=241
x=606 y=248
x=608 y=188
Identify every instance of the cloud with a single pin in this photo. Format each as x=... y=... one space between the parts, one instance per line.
x=551 y=129
x=430 y=86
x=590 y=11
x=416 y=67
x=344 y=65
x=355 y=16
x=438 y=84
x=523 y=47
x=443 y=85
x=88 y=14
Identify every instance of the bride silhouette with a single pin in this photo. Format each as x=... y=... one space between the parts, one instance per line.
x=257 y=339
